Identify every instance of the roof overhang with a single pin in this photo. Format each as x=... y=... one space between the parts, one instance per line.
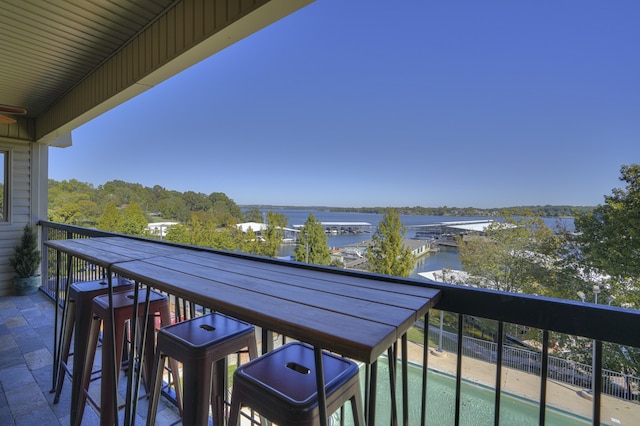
x=69 y=64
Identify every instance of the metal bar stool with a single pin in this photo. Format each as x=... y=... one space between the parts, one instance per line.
x=198 y=344
x=76 y=321
x=122 y=312
x=281 y=386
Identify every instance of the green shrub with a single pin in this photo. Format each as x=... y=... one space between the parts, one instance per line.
x=26 y=257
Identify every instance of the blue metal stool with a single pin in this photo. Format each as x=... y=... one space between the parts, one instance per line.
x=281 y=386
x=198 y=344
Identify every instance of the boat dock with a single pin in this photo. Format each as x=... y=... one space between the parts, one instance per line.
x=444 y=233
x=451 y=228
x=342 y=227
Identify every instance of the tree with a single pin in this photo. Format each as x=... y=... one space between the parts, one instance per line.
x=248 y=242
x=110 y=219
x=387 y=254
x=224 y=209
x=312 y=246
x=273 y=234
x=604 y=250
x=178 y=234
x=514 y=255
x=201 y=230
x=73 y=202
x=608 y=237
x=196 y=201
x=133 y=220
x=172 y=206
x=253 y=214
x=116 y=191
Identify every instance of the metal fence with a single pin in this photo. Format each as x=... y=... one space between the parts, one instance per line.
x=614 y=383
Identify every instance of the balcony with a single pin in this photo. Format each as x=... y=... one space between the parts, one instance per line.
x=464 y=389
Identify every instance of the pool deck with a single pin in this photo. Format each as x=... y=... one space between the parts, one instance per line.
x=559 y=395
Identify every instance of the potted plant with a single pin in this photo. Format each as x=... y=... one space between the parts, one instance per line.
x=26 y=263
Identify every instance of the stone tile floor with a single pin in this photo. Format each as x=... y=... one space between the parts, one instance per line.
x=26 y=365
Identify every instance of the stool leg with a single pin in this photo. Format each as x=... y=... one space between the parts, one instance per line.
x=78 y=395
x=253 y=348
x=356 y=408
x=165 y=319
x=107 y=404
x=175 y=374
x=218 y=390
x=197 y=378
x=81 y=332
x=155 y=387
x=234 y=412
x=155 y=376
x=65 y=340
x=149 y=348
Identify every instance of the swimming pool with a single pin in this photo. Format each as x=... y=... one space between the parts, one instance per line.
x=477 y=406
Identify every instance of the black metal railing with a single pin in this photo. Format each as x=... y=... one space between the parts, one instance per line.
x=596 y=323
x=619 y=384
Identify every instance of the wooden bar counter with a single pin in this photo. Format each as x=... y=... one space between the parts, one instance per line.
x=357 y=315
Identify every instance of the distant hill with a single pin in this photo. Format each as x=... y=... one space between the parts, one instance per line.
x=544 y=211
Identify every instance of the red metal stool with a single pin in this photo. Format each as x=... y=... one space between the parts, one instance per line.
x=77 y=318
x=198 y=344
x=281 y=386
x=122 y=313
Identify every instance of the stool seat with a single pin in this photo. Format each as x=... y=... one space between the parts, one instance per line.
x=281 y=386
x=91 y=289
x=198 y=343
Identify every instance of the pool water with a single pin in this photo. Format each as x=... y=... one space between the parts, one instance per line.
x=477 y=403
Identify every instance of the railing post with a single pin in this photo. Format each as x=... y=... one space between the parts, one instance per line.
x=459 y=370
x=425 y=371
x=597 y=380
x=499 y=349
x=543 y=376
x=44 y=265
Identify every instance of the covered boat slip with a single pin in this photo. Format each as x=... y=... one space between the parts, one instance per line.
x=356 y=315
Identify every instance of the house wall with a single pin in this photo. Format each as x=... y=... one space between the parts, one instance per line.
x=27 y=199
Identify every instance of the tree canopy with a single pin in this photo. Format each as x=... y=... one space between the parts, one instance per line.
x=608 y=238
x=312 y=246
x=82 y=204
x=515 y=254
x=130 y=220
x=274 y=233
x=387 y=253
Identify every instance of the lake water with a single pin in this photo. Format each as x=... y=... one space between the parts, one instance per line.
x=445 y=258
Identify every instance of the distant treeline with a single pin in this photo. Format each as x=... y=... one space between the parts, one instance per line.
x=81 y=203
x=543 y=211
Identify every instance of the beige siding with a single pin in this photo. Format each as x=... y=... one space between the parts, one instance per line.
x=19 y=207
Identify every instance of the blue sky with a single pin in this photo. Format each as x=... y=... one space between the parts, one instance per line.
x=386 y=103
